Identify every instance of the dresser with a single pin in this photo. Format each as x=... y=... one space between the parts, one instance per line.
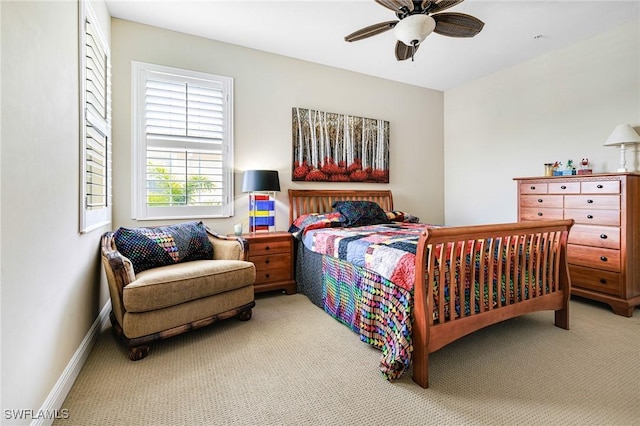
x=604 y=244
x=272 y=254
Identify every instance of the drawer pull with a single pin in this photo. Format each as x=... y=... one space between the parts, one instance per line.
x=603 y=236
x=603 y=258
x=267 y=260
x=267 y=248
x=539 y=214
x=563 y=187
x=533 y=188
x=599 y=187
x=589 y=216
x=603 y=281
x=539 y=200
x=266 y=276
x=589 y=201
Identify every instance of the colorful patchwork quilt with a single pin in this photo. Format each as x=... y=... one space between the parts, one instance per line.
x=368 y=278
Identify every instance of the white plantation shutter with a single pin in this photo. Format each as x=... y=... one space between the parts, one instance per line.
x=95 y=120
x=183 y=143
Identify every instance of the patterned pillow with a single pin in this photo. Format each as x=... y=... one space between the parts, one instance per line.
x=164 y=245
x=399 y=216
x=315 y=221
x=361 y=213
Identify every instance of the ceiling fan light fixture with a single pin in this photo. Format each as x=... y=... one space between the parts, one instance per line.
x=413 y=29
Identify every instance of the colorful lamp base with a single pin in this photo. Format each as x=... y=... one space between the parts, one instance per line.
x=262 y=212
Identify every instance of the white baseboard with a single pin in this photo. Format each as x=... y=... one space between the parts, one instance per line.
x=52 y=406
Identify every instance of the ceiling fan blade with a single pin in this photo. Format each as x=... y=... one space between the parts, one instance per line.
x=396 y=5
x=457 y=24
x=439 y=6
x=371 y=30
x=404 y=52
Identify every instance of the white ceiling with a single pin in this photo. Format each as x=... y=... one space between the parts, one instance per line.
x=314 y=30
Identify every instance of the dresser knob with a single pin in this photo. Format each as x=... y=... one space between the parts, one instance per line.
x=539 y=200
x=603 y=281
x=589 y=201
x=599 y=186
x=603 y=258
x=267 y=248
x=563 y=187
x=266 y=261
x=266 y=275
x=589 y=216
x=539 y=214
x=533 y=188
x=603 y=236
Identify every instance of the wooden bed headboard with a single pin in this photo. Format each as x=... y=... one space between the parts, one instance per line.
x=304 y=201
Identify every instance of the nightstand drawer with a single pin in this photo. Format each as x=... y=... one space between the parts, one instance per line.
x=594 y=257
x=595 y=236
x=594 y=217
x=272 y=261
x=595 y=279
x=533 y=213
x=595 y=202
x=271 y=275
x=268 y=247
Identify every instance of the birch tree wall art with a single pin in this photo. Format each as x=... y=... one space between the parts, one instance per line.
x=330 y=147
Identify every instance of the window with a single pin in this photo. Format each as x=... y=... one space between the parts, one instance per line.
x=95 y=123
x=182 y=143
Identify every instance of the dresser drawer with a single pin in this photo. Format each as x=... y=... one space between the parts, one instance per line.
x=599 y=202
x=533 y=188
x=602 y=187
x=595 y=236
x=594 y=257
x=267 y=247
x=564 y=188
x=546 y=201
x=532 y=213
x=272 y=261
x=595 y=279
x=594 y=217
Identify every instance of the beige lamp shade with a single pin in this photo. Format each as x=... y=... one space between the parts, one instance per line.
x=621 y=135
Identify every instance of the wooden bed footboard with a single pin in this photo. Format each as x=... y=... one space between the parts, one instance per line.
x=511 y=269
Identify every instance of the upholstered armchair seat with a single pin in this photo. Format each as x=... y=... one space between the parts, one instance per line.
x=167 y=300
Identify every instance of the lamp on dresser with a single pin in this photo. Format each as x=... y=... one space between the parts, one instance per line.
x=261 y=186
x=621 y=135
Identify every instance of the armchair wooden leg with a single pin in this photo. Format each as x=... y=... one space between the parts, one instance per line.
x=245 y=315
x=136 y=353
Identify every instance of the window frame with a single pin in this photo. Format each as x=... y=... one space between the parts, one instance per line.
x=139 y=208
x=93 y=218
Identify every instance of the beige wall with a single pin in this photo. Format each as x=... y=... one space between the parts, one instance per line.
x=562 y=105
x=266 y=87
x=51 y=292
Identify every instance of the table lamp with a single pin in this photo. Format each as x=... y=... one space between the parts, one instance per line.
x=261 y=186
x=621 y=135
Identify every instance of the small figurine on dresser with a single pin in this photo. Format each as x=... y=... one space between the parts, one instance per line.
x=584 y=167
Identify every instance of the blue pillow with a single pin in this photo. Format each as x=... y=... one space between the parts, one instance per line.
x=361 y=213
x=163 y=245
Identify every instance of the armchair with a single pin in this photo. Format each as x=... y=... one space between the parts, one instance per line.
x=189 y=289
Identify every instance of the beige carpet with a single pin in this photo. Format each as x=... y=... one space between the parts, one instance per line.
x=292 y=364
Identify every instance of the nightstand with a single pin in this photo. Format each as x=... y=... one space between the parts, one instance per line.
x=272 y=253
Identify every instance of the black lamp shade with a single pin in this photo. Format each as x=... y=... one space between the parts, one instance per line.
x=260 y=180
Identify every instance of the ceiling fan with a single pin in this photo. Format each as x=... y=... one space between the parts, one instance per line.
x=418 y=19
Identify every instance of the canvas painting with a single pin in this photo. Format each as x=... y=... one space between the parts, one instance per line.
x=331 y=147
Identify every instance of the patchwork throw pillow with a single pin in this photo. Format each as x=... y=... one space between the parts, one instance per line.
x=164 y=245
x=399 y=216
x=315 y=221
x=360 y=213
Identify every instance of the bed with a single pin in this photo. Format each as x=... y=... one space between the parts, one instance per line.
x=500 y=271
